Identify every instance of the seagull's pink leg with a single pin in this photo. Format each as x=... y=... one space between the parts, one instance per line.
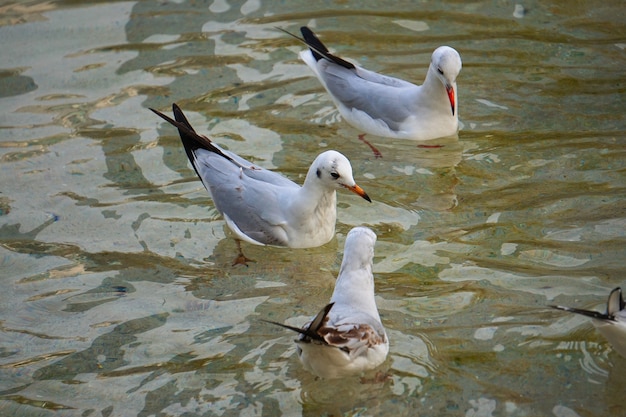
x=241 y=259
x=377 y=153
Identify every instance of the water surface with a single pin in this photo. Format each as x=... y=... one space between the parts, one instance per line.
x=118 y=294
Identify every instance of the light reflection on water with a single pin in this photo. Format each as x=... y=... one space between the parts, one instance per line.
x=119 y=297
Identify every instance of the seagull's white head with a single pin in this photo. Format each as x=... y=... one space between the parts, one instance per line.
x=446 y=65
x=332 y=170
x=359 y=247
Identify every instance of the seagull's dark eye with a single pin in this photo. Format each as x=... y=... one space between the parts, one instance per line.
x=334 y=175
x=440 y=70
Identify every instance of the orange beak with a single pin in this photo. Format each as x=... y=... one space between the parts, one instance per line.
x=450 y=91
x=358 y=191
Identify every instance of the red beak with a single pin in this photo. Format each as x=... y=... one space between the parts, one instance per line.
x=450 y=91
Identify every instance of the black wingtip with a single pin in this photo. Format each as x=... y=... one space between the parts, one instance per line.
x=315 y=45
x=188 y=136
x=318 y=49
x=587 y=313
x=309 y=332
x=180 y=116
x=320 y=318
x=185 y=130
x=615 y=304
x=286 y=326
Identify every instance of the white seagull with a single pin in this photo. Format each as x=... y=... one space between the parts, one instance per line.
x=263 y=207
x=346 y=337
x=387 y=106
x=612 y=324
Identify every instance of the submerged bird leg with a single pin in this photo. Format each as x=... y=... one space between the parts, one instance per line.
x=430 y=146
x=241 y=259
x=379 y=378
x=376 y=152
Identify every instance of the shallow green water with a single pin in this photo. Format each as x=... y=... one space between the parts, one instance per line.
x=118 y=295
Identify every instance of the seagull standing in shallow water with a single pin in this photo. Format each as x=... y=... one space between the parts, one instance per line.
x=612 y=324
x=387 y=106
x=346 y=337
x=261 y=206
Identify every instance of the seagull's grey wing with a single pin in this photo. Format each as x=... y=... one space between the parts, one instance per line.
x=384 y=101
x=260 y=174
x=251 y=204
x=383 y=80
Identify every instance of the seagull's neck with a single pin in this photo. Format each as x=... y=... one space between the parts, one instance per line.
x=432 y=83
x=434 y=91
x=313 y=197
x=355 y=286
x=313 y=212
x=322 y=205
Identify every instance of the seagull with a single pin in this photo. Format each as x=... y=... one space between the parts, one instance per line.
x=387 y=106
x=612 y=324
x=263 y=207
x=346 y=337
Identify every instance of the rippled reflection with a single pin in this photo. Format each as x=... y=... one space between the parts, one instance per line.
x=118 y=294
